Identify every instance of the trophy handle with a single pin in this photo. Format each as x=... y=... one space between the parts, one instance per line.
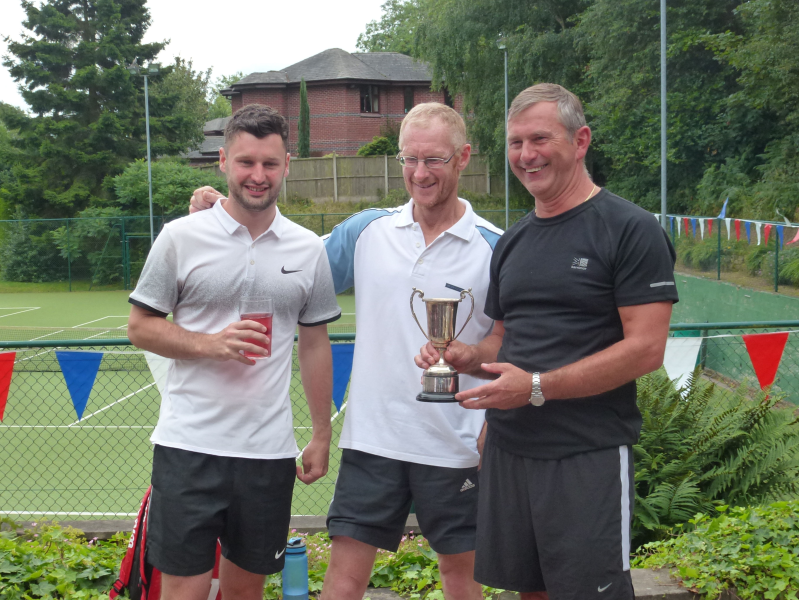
x=463 y=295
x=421 y=297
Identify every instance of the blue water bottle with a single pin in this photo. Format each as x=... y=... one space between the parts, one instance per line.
x=295 y=572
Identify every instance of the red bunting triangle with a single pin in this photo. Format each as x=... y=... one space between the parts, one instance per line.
x=765 y=351
x=738 y=229
x=6 y=369
x=710 y=226
x=766 y=229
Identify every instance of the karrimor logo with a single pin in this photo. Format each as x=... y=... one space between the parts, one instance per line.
x=580 y=263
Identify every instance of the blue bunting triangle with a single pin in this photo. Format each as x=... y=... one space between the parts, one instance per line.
x=342 y=368
x=80 y=370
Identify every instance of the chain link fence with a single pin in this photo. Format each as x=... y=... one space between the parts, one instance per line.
x=59 y=467
x=109 y=252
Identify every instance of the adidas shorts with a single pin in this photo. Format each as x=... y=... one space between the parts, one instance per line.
x=374 y=494
x=561 y=526
x=199 y=498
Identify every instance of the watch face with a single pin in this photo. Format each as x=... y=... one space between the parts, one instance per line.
x=537 y=399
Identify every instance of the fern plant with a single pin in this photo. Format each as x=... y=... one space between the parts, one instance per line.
x=702 y=446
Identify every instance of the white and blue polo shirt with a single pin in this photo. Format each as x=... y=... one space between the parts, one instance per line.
x=382 y=253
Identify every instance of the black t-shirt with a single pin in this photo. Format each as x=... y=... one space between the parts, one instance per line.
x=557 y=284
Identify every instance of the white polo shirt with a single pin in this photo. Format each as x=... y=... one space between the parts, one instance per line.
x=382 y=252
x=197 y=270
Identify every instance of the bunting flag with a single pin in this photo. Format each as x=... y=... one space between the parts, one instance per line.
x=710 y=226
x=80 y=370
x=765 y=351
x=757 y=231
x=677 y=224
x=766 y=231
x=796 y=238
x=342 y=367
x=727 y=222
x=671 y=226
x=680 y=358
x=748 y=232
x=6 y=368
x=780 y=234
x=738 y=230
x=159 y=367
x=723 y=212
x=685 y=222
x=701 y=229
x=693 y=226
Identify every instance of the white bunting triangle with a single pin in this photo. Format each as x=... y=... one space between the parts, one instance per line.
x=680 y=358
x=159 y=367
x=727 y=221
x=757 y=230
x=701 y=228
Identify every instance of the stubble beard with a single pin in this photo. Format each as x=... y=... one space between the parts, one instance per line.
x=236 y=194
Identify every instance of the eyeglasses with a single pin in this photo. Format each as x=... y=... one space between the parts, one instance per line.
x=431 y=163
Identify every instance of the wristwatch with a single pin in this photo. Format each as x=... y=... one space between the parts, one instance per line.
x=536 y=397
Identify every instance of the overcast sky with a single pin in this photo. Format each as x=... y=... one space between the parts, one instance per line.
x=230 y=35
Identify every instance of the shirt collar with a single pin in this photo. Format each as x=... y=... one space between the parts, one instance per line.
x=231 y=225
x=463 y=229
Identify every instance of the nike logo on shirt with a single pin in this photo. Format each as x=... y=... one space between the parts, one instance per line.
x=283 y=270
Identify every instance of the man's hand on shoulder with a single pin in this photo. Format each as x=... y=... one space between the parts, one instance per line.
x=203 y=198
x=511 y=390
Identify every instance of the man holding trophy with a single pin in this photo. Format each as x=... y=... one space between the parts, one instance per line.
x=583 y=288
x=396 y=449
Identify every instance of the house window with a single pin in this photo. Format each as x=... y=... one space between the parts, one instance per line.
x=408 y=98
x=370 y=99
x=447 y=98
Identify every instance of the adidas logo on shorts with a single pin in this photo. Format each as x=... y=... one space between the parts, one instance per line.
x=467 y=485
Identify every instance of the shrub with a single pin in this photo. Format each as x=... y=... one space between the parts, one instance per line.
x=378 y=147
x=702 y=446
x=751 y=552
x=28 y=252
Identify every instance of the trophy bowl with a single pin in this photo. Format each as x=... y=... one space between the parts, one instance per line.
x=440 y=381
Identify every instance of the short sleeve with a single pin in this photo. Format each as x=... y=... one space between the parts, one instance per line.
x=644 y=270
x=321 y=306
x=157 y=289
x=492 y=307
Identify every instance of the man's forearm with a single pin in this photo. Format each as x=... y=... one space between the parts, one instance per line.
x=485 y=352
x=606 y=370
x=158 y=335
x=316 y=371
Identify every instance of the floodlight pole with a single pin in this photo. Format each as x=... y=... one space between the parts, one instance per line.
x=149 y=162
x=663 y=145
x=502 y=45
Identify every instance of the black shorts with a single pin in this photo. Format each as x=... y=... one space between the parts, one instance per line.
x=199 y=498
x=374 y=494
x=561 y=526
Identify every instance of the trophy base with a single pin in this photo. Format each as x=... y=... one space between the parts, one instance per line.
x=436 y=397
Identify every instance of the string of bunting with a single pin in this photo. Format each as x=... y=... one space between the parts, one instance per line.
x=79 y=369
x=760 y=230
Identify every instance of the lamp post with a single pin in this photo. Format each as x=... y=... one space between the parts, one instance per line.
x=152 y=69
x=502 y=46
x=663 y=121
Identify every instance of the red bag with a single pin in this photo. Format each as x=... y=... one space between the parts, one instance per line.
x=141 y=579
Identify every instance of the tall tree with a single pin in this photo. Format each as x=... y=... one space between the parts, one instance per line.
x=304 y=123
x=459 y=40
x=88 y=111
x=219 y=105
x=395 y=30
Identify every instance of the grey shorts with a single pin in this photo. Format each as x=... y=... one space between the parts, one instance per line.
x=374 y=494
x=561 y=526
x=199 y=498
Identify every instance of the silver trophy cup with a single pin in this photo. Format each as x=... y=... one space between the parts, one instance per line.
x=440 y=381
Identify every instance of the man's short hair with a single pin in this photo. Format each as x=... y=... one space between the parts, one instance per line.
x=570 y=109
x=422 y=114
x=257 y=120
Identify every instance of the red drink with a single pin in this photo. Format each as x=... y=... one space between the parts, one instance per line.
x=264 y=319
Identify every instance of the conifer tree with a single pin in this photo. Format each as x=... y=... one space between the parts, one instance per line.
x=304 y=125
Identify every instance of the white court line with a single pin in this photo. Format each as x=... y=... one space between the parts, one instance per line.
x=332 y=419
x=69 y=514
x=85 y=427
x=46 y=335
x=29 y=308
x=97 y=412
x=102 y=318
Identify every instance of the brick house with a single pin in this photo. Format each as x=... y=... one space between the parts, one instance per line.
x=352 y=96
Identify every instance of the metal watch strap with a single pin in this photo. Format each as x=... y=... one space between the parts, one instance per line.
x=536 y=396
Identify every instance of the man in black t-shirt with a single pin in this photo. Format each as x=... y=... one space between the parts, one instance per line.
x=581 y=291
